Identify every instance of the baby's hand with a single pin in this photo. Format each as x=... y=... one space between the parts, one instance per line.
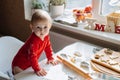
x=53 y=62
x=42 y=72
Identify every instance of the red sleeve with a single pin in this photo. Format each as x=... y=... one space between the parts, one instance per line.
x=48 y=50
x=33 y=57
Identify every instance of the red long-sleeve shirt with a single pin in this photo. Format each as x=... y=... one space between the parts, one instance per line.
x=30 y=52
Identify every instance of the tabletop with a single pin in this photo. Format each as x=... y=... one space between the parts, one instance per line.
x=61 y=71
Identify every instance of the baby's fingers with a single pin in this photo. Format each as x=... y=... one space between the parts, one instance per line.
x=43 y=73
x=55 y=62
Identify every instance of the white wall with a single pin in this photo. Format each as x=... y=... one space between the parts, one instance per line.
x=59 y=41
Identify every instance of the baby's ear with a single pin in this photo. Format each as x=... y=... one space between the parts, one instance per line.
x=31 y=27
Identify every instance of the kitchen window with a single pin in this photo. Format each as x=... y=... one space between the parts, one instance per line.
x=106 y=6
x=101 y=8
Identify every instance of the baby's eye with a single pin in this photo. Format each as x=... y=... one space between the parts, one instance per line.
x=38 y=27
x=45 y=27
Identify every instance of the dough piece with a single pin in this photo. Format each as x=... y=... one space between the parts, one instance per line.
x=97 y=56
x=112 y=62
x=72 y=60
x=104 y=60
x=64 y=55
x=77 y=54
x=84 y=64
x=113 y=57
x=108 y=51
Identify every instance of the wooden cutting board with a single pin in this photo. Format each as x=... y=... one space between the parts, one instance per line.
x=103 y=69
x=107 y=61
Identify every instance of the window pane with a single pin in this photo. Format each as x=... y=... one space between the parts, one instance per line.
x=107 y=7
x=77 y=3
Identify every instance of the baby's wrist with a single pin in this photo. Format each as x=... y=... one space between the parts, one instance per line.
x=51 y=59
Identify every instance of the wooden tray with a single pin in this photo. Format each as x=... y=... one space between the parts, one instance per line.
x=105 y=70
x=110 y=61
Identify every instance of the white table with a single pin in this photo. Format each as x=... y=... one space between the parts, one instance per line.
x=60 y=71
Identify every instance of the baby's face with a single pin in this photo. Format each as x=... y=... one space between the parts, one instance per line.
x=41 y=29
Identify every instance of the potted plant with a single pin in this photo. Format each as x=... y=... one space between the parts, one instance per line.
x=56 y=7
x=37 y=5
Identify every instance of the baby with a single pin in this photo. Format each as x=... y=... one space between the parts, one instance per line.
x=38 y=42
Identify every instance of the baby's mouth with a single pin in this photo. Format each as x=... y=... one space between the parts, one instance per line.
x=41 y=33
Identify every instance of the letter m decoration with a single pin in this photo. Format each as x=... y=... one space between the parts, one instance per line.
x=117 y=29
x=100 y=27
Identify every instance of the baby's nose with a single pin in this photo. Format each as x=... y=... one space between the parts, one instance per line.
x=41 y=29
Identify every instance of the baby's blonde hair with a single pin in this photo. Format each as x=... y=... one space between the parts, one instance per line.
x=41 y=16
